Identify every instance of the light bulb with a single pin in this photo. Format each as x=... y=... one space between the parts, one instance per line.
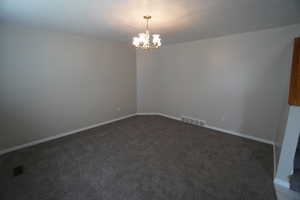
x=142 y=37
x=156 y=40
x=136 y=41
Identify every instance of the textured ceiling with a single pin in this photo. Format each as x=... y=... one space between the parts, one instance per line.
x=175 y=20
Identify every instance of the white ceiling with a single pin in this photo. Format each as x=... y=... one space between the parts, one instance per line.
x=175 y=20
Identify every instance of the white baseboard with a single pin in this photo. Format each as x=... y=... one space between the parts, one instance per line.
x=282 y=183
x=216 y=129
x=62 y=135
x=117 y=119
x=160 y=114
x=240 y=135
x=148 y=113
x=171 y=117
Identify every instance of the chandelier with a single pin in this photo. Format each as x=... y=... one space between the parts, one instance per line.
x=144 y=41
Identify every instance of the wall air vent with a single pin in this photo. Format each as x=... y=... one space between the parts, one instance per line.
x=19 y=170
x=193 y=121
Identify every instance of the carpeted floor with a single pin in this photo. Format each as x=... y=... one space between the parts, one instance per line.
x=141 y=158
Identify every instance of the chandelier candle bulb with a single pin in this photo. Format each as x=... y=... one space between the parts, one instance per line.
x=144 y=41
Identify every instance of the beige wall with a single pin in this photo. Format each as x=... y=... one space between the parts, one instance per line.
x=238 y=82
x=148 y=81
x=52 y=83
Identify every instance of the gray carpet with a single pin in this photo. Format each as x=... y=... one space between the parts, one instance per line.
x=141 y=158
